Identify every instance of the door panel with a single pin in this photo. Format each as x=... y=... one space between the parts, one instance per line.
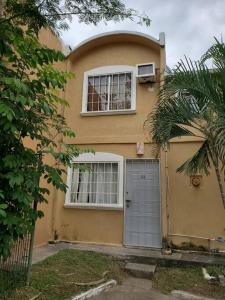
x=142 y=204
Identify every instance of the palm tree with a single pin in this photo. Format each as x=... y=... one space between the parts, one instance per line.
x=192 y=103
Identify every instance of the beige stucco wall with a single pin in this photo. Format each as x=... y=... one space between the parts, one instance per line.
x=44 y=232
x=115 y=134
x=49 y=39
x=193 y=211
x=115 y=128
x=104 y=226
x=186 y=210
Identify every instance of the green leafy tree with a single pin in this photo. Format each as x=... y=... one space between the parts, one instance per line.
x=29 y=105
x=192 y=103
x=29 y=89
x=56 y=14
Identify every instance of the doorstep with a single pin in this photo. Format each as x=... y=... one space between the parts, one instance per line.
x=141 y=270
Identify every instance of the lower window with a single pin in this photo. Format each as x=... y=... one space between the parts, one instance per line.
x=95 y=183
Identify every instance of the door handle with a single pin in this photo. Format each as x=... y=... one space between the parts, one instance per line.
x=128 y=202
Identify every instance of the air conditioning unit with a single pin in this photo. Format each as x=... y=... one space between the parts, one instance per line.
x=146 y=73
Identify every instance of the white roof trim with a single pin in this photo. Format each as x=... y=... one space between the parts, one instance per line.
x=160 y=41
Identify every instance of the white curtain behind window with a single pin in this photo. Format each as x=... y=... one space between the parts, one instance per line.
x=114 y=184
x=83 y=187
x=108 y=187
x=98 y=184
x=74 y=185
x=94 y=180
x=92 y=186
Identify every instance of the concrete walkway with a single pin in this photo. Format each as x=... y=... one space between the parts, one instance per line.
x=133 y=289
x=140 y=255
x=41 y=253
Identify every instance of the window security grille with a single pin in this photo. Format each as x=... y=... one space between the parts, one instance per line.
x=109 y=92
x=95 y=183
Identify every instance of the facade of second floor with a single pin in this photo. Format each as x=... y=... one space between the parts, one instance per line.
x=116 y=85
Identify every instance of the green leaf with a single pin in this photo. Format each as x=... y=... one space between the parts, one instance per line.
x=2 y=194
x=2 y=213
x=6 y=111
x=3 y=206
x=22 y=197
x=15 y=178
x=10 y=161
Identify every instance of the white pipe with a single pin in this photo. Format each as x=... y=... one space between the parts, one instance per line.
x=167 y=191
x=195 y=237
x=191 y=236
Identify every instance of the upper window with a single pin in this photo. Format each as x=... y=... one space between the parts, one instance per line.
x=109 y=89
x=109 y=92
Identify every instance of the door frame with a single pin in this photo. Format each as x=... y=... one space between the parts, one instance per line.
x=126 y=159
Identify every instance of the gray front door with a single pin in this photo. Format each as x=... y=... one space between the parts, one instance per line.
x=142 y=204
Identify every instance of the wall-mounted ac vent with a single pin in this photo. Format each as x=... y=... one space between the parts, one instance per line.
x=146 y=73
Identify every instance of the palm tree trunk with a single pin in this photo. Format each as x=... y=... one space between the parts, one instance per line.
x=219 y=179
x=214 y=157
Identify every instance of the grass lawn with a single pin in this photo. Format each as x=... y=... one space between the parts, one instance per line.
x=56 y=277
x=189 y=278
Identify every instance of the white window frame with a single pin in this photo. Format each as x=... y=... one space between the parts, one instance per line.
x=108 y=70
x=97 y=157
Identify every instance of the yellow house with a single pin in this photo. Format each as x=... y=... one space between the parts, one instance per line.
x=125 y=195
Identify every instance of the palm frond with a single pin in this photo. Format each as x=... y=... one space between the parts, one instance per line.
x=199 y=163
x=218 y=130
x=192 y=103
x=173 y=118
x=196 y=81
x=216 y=53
